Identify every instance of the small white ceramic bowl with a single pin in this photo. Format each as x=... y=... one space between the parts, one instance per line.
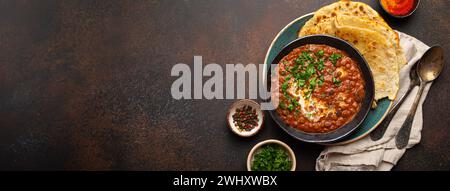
x=240 y=104
x=258 y=146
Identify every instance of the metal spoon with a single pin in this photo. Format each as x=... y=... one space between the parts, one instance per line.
x=428 y=69
x=381 y=129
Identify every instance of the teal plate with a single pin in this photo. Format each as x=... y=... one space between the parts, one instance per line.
x=288 y=34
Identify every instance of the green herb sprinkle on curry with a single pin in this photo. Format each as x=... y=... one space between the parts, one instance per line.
x=320 y=88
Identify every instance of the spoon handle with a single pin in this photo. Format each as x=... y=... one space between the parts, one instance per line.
x=402 y=138
x=378 y=133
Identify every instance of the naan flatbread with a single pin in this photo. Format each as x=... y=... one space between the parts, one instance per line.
x=350 y=8
x=362 y=27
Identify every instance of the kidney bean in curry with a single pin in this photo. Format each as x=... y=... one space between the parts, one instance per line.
x=321 y=88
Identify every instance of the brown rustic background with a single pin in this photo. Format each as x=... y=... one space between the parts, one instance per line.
x=86 y=84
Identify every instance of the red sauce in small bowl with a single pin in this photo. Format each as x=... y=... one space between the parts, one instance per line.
x=399 y=7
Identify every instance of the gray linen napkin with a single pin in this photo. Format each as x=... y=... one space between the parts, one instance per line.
x=366 y=154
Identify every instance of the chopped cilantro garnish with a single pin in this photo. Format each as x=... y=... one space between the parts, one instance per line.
x=298 y=61
x=306 y=56
x=294 y=69
x=334 y=58
x=284 y=86
x=320 y=82
x=290 y=107
x=271 y=158
x=301 y=82
x=294 y=102
x=320 y=53
x=320 y=65
x=312 y=82
x=310 y=70
x=303 y=75
x=336 y=81
x=287 y=78
x=308 y=93
x=282 y=105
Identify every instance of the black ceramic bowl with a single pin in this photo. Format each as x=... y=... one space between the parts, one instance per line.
x=366 y=104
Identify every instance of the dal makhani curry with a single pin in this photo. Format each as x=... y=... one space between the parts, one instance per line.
x=321 y=88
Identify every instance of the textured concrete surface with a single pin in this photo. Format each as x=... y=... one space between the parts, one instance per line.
x=86 y=84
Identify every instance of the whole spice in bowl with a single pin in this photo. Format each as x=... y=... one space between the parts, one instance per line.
x=245 y=118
